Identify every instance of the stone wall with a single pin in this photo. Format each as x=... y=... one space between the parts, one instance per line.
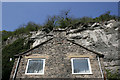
x=58 y=53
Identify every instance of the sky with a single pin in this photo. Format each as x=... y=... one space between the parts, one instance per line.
x=15 y=14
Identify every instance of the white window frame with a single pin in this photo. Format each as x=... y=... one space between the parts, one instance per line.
x=88 y=65
x=35 y=73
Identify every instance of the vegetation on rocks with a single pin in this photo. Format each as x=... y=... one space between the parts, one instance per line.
x=25 y=29
x=8 y=52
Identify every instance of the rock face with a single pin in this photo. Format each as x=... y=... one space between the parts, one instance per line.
x=11 y=39
x=100 y=37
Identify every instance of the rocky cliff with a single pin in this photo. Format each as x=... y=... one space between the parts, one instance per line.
x=11 y=39
x=101 y=37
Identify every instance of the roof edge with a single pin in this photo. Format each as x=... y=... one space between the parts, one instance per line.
x=20 y=54
x=72 y=41
x=100 y=55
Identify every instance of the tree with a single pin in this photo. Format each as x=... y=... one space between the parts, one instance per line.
x=8 y=52
x=64 y=20
x=50 y=24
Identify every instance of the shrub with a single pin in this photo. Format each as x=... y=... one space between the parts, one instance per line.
x=105 y=17
x=31 y=26
x=6 y=34
x=112 y=76
x=86 y=19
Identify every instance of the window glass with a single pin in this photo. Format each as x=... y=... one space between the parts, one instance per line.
x=35 y=66
x=80 y=65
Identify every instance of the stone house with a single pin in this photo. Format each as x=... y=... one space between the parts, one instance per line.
x=58 y=57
